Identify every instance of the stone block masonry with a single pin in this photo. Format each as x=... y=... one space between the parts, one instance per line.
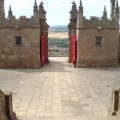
x=26 y=55
x=92 y=55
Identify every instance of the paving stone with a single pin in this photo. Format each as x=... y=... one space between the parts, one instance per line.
x=60 y=92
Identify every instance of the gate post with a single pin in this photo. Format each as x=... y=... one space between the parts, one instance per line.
x=43 y=33
x=72 y=27
x=115 y=101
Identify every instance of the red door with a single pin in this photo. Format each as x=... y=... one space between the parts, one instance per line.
x=43 y=49
x=73 y=49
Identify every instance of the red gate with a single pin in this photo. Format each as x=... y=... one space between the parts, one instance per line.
x=43 y=49
x=73 y=49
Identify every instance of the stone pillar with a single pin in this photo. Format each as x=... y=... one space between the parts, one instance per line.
x=44 y=31
x=115 y=101
x=72 y=26
x=9 y=108
x=43 y=26
x=6 y=109
x=2 y=106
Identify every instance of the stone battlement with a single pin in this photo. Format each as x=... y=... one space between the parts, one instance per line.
x=96 y=22
x=20 y=22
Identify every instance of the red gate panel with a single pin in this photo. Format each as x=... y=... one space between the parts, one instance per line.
x=43 y=49
x=73 y=49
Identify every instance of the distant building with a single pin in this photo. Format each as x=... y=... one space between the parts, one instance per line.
x=97 y=39
x=20 y=38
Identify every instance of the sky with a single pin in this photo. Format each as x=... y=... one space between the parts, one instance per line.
x=57 y=10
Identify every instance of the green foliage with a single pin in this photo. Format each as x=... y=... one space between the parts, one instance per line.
x=59 y=42
x=56 y=45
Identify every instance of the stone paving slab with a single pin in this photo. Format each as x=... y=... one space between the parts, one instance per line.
x=71 y=118
x=59 y=91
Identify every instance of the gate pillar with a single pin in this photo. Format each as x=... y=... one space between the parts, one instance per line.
x=72 y=26
x=43 y=35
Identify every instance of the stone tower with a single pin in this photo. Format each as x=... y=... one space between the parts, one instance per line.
x=72 y=25
x=2 y=12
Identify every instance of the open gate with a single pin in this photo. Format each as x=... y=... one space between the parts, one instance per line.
x=43 y=49
x=73 y=49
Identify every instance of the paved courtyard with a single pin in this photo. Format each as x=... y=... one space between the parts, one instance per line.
x=60 y=92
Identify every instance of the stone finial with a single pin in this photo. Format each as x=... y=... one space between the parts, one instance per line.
x=35 y=6
x=10 y=14
x=10 y=8
x=74 y=11
x=41 y=4
x=105 y=9
x=73 y=5
x=80 y=3
x=35 y=3
x=117 y=7
x=41 y=7
x=74 y=8
x=80 y=7
x=42 y=12
x=104 y=13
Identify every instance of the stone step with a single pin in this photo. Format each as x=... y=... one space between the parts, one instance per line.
x=73 y=118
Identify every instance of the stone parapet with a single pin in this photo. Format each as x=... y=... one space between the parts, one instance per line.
x=20 y=22
x=96 y=22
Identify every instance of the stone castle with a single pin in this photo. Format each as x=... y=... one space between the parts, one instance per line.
x=97 y=38
x=20 y=38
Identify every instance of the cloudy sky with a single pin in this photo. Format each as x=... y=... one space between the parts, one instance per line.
x=57 y=10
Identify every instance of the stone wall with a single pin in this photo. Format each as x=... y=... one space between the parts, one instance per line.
x=90 y=55
x=26 y=55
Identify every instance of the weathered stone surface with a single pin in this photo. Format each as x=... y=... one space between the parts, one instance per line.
x=26 y=55
x=90 y=55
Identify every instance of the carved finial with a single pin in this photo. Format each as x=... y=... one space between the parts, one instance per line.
x=104 y=13
x=35 y=3
x=80 y=3
x=73 y=2
x=41 y=7
x=41 y=3
x=10 y=8
x=104 y=8
x=35 y=6
x=10 y=14
x=73 y=5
